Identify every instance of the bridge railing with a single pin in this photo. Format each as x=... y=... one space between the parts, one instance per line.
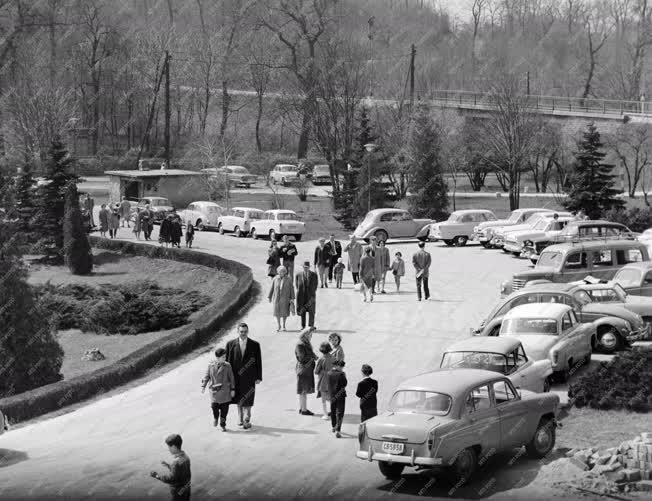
x=547 y=103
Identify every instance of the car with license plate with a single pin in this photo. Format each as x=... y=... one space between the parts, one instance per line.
x=617 y=326
x=545 y=230
x=160 y=207
x=636 y=278
x=458 y=228
x=503 y=355
x=448 y=419
x=321 y=174
x=236 y=175
x=501 y=232
x=203 y=215
x=238 y=220
x=392 y=223
x=277 y=223
x=284 y=174
x=570 y=262
x=551 y=331
x=484 y=232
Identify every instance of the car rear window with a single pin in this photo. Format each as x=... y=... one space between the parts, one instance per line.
x=518 y=326
x=422 y=402
x=625 y=256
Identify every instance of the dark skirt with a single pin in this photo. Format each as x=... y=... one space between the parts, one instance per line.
x=306 y=378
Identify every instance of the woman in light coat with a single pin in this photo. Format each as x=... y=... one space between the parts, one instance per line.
x=324 y=364
x=354 y=250
x=281 y=295
x=137 y=224
x=305 y=370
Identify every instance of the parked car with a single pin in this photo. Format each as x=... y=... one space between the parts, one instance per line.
x=276 y=223
x=570 y=262
x=551 y=331
x=236 y=175
x=501 y=232
x=203 y=215
x=158 y=206
x=392 y=223
x=484 y=232
x=4 y=424
x=503 y=355
x=545 y=230
x=284 y=174
x=458 y=228
x=616 y=325
x=450 y=418
x=612 y=292
x=238 y=220
x=636 y=278
x=321 y=174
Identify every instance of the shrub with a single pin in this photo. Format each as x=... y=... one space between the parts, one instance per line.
x=76 y=248
x=623 y=383
x=636 y=219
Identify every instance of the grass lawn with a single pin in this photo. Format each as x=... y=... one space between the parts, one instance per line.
x=115 y=268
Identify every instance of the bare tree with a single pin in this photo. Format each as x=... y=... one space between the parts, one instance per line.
x=632 y=144
x=545 y=156
x=597 y=31
x=477 y=9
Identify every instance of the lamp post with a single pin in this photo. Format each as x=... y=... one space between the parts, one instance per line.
x=370 y=147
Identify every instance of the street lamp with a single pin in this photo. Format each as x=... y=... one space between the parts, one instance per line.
x=370 y=147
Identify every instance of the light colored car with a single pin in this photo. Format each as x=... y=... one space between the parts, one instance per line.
x=450 y=418
x=544 y=230
x=636 y=278
x=484 y=232
x=551 y=331
x=503 y=355
x=284 y=174
x=158 y=206
x=458 y=228
x=321 y=174
x=238 y=220
x=203 y=215
x=392 y=223
x=236 y=175
x=276 y=223
x=501 y=232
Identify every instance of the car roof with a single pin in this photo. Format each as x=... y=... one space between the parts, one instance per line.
x=590 y=287
x=285 y=165
x=593 y=244
x=154 y=198
x=641 y=265
x=247 y=208
x=538 y=310
x=448 y=381
x=471 y=211
x=546 y=287
x=281 y=211
x=486 y=344
x=385 y=210
x=598 y=222
x=238 y=166
x=206 y=202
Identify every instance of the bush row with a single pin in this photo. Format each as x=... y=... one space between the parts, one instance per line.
x=57 y=395
x=636 y=219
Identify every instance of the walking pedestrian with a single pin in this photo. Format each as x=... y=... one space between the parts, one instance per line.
x=334 y=249
x=138 y=223
x=179 y=470
x=273 y=258
x=354 y=250
x=322 y=259
x=335 y=340
x=281 y=295
x=373 y=244
x=288 y=252
x=190 y=234
x=176 y=232
x=103 y=217
x=421 y=261
x=89 y=205
x=125 y=211
x=366 y=392
x=246 y=361
x=337 y=388
x=306 y=293
x=338 y=273
x=367 y=266
x=305 y=370
x=114 y=222
x=381 y=265
x=222 y=386
x=323 y=366
x=147 y=222
x=165 y=231
x=398 y=270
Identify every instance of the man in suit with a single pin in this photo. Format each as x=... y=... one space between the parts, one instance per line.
x=322 y=261
x=421 y=261
x=366 y=392
x=335 y=252
x=306 y=293
x=244 y=356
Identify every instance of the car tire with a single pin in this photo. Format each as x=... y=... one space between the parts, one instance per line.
x=253 y=234
x=609 y=340
x=220 y=228
x=543 y=440
x=449 y=243
x=381 y=235
x=391 y=471
x=298 y=237
x=200 y=225
x=237 y=232
x=466 y=462
x=461 y=240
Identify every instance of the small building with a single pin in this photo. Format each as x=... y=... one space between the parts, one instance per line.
x=179 y=186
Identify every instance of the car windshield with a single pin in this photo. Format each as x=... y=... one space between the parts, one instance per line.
x=158 y=202
x=514 y=217
x=628 y=277
x=322 y=170
x=255 y=214
x=287 y=216
x=289 y=168
x=609 y=294
x=541 y=225
x=422 y=402
x=532 y=219
x=496 y=362
x=518 y=326
x=454 y=217
x=549 y=259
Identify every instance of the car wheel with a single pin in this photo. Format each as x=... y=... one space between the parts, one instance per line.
x=543 y=440
x=220 y=228
x=449 y=243
x=298 y=237
x=465 y=465
x=461 y=241
x=253 y=234
x=609 y=341
x=272 y=235
x=237 y=232
x=381 y=235
x=391 y=471
x=200 y=225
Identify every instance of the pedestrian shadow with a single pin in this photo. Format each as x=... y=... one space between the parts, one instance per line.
x=276 y=432
x=10 y=457
x=107 y=273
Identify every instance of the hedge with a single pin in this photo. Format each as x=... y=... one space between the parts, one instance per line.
x=185 y=339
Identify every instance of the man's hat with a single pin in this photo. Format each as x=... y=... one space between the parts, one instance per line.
x=306 y=263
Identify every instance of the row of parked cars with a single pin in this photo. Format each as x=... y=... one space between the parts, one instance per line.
x=283 y=174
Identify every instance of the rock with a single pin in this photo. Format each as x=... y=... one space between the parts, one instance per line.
x=623 y=447
x=615 y=466
x=581 y=456
x=602 y=459
x=611 y=451
x=579 y=463
x=644 y=485
x=615 y=476
x=600 y=469
x=571 y=453
x=93 y=355
x=631 y=463
x=646 y=435
x=632 y=475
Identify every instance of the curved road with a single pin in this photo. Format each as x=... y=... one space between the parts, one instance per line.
x=106 y=449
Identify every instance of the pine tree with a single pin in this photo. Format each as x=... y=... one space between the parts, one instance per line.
x=591 y=181
x=77 y=249
x=429 y=198
x=25 y=204
x=58 y=176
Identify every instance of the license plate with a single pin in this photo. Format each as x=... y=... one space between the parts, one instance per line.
x=393 y=447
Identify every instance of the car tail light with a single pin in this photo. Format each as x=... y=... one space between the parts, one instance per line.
x=362 y=429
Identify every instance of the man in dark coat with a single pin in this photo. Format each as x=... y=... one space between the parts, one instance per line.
x=147 y=222
x=246 y=361
x=306 y=294
x=89 y=205
x=335 y=252
x=421 y=261
x=322 y=261
x=288 y=253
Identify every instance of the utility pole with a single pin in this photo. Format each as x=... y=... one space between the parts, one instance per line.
x=167 y=109
x=413 y=54
x=528 y=84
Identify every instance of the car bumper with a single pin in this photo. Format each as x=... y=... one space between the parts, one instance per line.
x=497 y=241
x=412 y=460
x=480 y=237
x=639 y=335
x=513 y=246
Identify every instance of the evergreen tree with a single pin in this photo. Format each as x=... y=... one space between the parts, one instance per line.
x=591 y=181
x=25 y=204
x=58 y=176
x=77 y=249
x=429 y=198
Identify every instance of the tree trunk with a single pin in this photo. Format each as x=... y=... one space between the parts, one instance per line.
x=225 y=108
x=259 y=116
x=304 y=136
x=96 y=114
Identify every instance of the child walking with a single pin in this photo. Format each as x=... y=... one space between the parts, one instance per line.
x=338 y=271
x=190 y=234
x=366 y=392
x=398 y=269
x=337 y=389
x=222 y=386
x=178 y=477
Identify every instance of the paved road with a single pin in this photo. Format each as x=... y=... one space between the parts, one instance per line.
x=107 y=448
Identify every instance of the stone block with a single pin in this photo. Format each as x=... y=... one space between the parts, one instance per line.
x=616 y=458
x=648 y=448
x=602 y=459
x=646 y=474
x=623 y=447
x=615 y=476
x=579 y=463
x=631 y=453
x=571 y=453
x=600 y=469
x=632 y=475
x=644 y=485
